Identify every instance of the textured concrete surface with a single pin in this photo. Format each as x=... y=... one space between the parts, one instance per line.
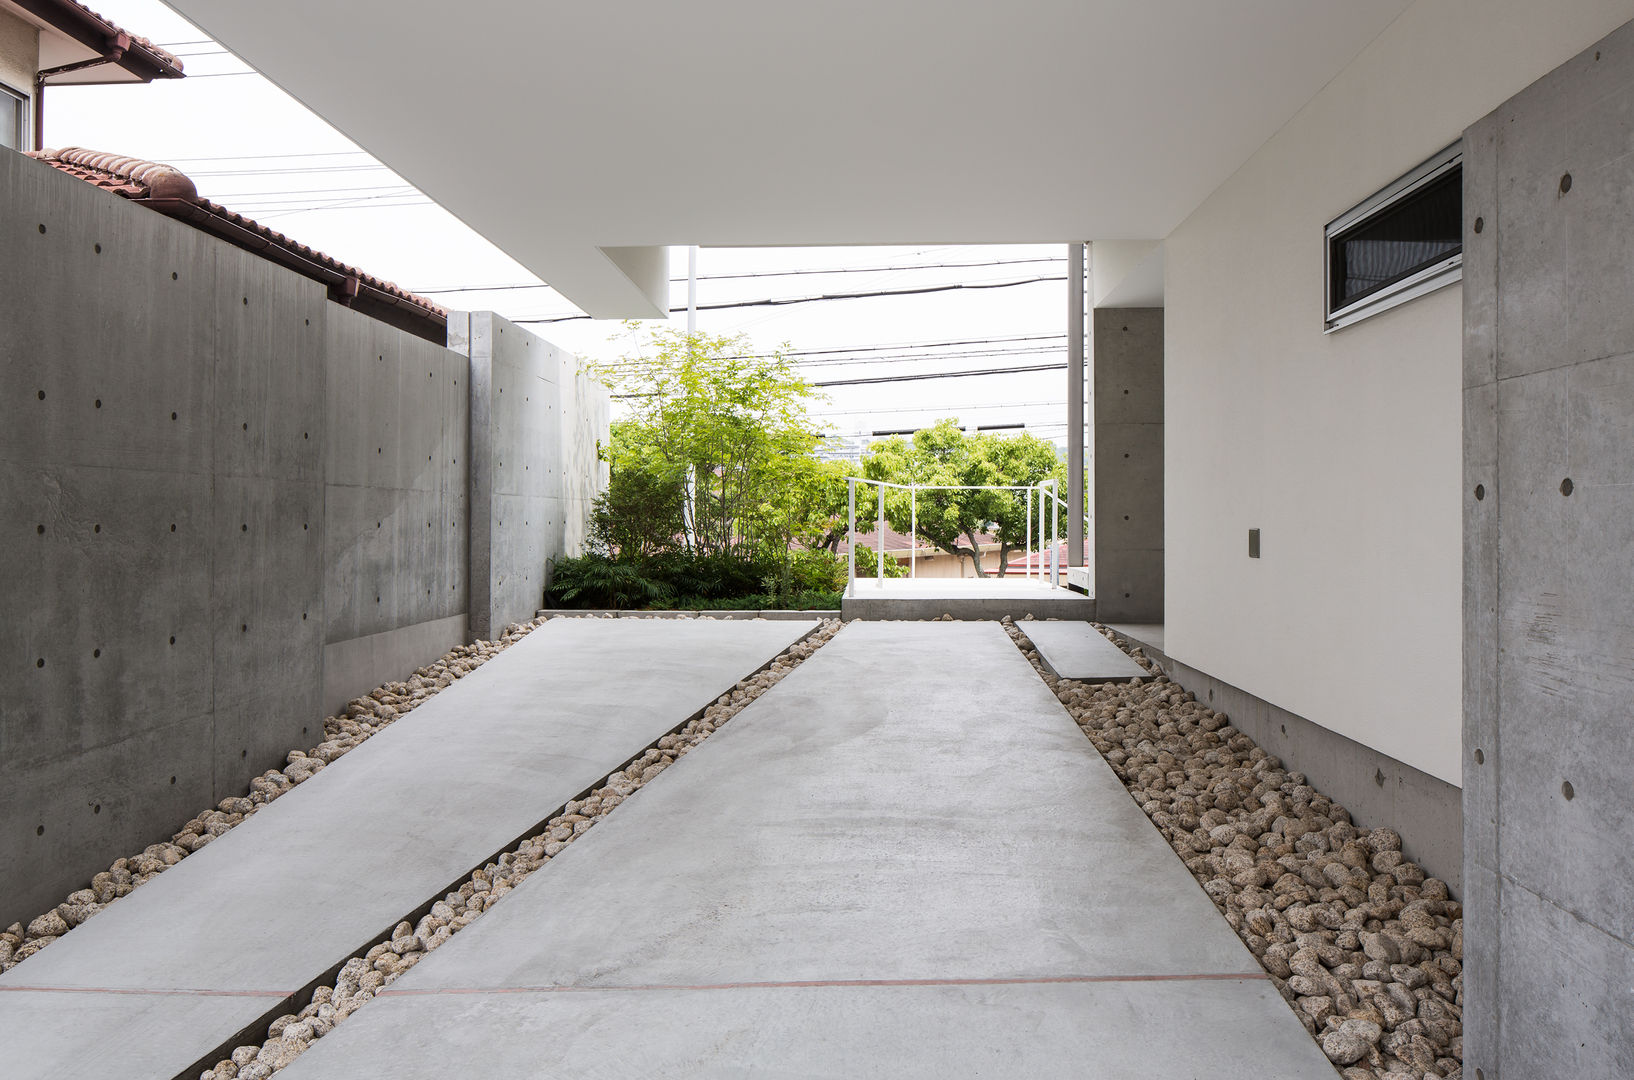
x=1128 y=488
x=533 y=416
x=1548 y=643
x=324 y=870
x=354 y=667
x=964 y=598
x=1375 y=787
x=215 y=481
x=903 y=860
x=1076 y=650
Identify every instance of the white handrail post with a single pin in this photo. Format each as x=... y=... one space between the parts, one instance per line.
x=880 y=550
x=851 y=536
x=913 y=532
x=1055 y=553
x=1027 y=562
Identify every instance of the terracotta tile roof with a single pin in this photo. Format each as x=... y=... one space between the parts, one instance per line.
x=142 y=57
x=899 y=542
x=168 y=190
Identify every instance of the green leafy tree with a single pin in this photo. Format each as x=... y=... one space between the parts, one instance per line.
x=716 y=457
x=945 y=456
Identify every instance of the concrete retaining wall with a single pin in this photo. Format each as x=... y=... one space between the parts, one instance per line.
x=229 y=505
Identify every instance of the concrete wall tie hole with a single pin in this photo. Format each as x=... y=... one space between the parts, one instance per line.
x=1480 y=756
x=1566 y=486
x=1480 y=223
x=1567 y=790
x=99 y=403
x=96 y=528
x=97 y=248
x=1480 y=492
x=1378 y=777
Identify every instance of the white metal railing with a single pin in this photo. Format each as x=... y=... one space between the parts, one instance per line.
x=913 y=490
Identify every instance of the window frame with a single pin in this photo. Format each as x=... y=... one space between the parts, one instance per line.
x=25 y=118
x=1427 y=280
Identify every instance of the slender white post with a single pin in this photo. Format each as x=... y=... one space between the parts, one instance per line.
x=1027 y=563
x=879 y=551
x=692 y=289
x=1075 y=404
x=1055 y=548
x=913 y=533
x=851 y=536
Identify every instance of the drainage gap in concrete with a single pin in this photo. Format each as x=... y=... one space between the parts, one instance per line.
x=357 y=980
x=1365 y=948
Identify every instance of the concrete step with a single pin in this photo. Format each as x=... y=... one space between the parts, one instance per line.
x=963 y=598
x=903 y=860
x=160 y=982
x=1076 y=650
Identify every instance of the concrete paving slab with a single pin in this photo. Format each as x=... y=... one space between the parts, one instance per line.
x=1076 y=650
x=329 y=867
x=964 y=598
x=903 y=860
x=1161 y=1031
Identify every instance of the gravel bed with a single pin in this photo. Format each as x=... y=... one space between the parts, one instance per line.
x=362 y=976
x=1366 y=948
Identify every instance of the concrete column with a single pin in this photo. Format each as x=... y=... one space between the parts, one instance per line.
x=1128 y=398
x=1548 y=498
x=1075 y=404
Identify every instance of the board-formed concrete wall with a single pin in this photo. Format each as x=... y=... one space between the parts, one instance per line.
x=1128 y=488
x=228 y=505
x=1548 y=510
x=537 y=425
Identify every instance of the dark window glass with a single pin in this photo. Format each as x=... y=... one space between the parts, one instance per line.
x=1413 y=233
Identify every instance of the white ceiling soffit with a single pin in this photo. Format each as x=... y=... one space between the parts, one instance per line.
x=563 y=131
x=1126 y=273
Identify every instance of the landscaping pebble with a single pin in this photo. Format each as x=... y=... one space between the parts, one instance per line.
x=363 y=976
x=1365 y=946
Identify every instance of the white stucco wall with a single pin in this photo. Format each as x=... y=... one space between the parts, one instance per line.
x=19 y=53
x=1343 y=449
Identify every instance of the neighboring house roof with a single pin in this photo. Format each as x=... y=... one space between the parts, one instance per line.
x=169 y=191
x=74 y=34
x=1032 y=560
x=899 y=544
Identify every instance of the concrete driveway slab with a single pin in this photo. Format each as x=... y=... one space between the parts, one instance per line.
x=322 y=871
x=903 y=860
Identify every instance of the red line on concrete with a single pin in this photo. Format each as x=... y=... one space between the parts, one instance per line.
x=173 y=991
x=1045 y=980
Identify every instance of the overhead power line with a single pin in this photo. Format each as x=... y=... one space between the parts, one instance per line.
x=785 y=301
x=522 y=285
x=942 y=375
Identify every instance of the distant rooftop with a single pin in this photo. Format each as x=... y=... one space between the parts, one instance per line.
x=169 y=191
x=72 y=34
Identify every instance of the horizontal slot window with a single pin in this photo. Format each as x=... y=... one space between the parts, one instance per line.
x=1403 y=242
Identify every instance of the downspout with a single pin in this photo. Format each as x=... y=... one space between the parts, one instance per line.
x=115 y=53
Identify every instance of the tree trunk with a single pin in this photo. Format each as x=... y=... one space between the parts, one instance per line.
x=975 y=554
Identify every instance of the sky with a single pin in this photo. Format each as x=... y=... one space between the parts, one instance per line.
x=248 y=145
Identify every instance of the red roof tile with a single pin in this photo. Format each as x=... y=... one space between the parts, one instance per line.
x=168 y=190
